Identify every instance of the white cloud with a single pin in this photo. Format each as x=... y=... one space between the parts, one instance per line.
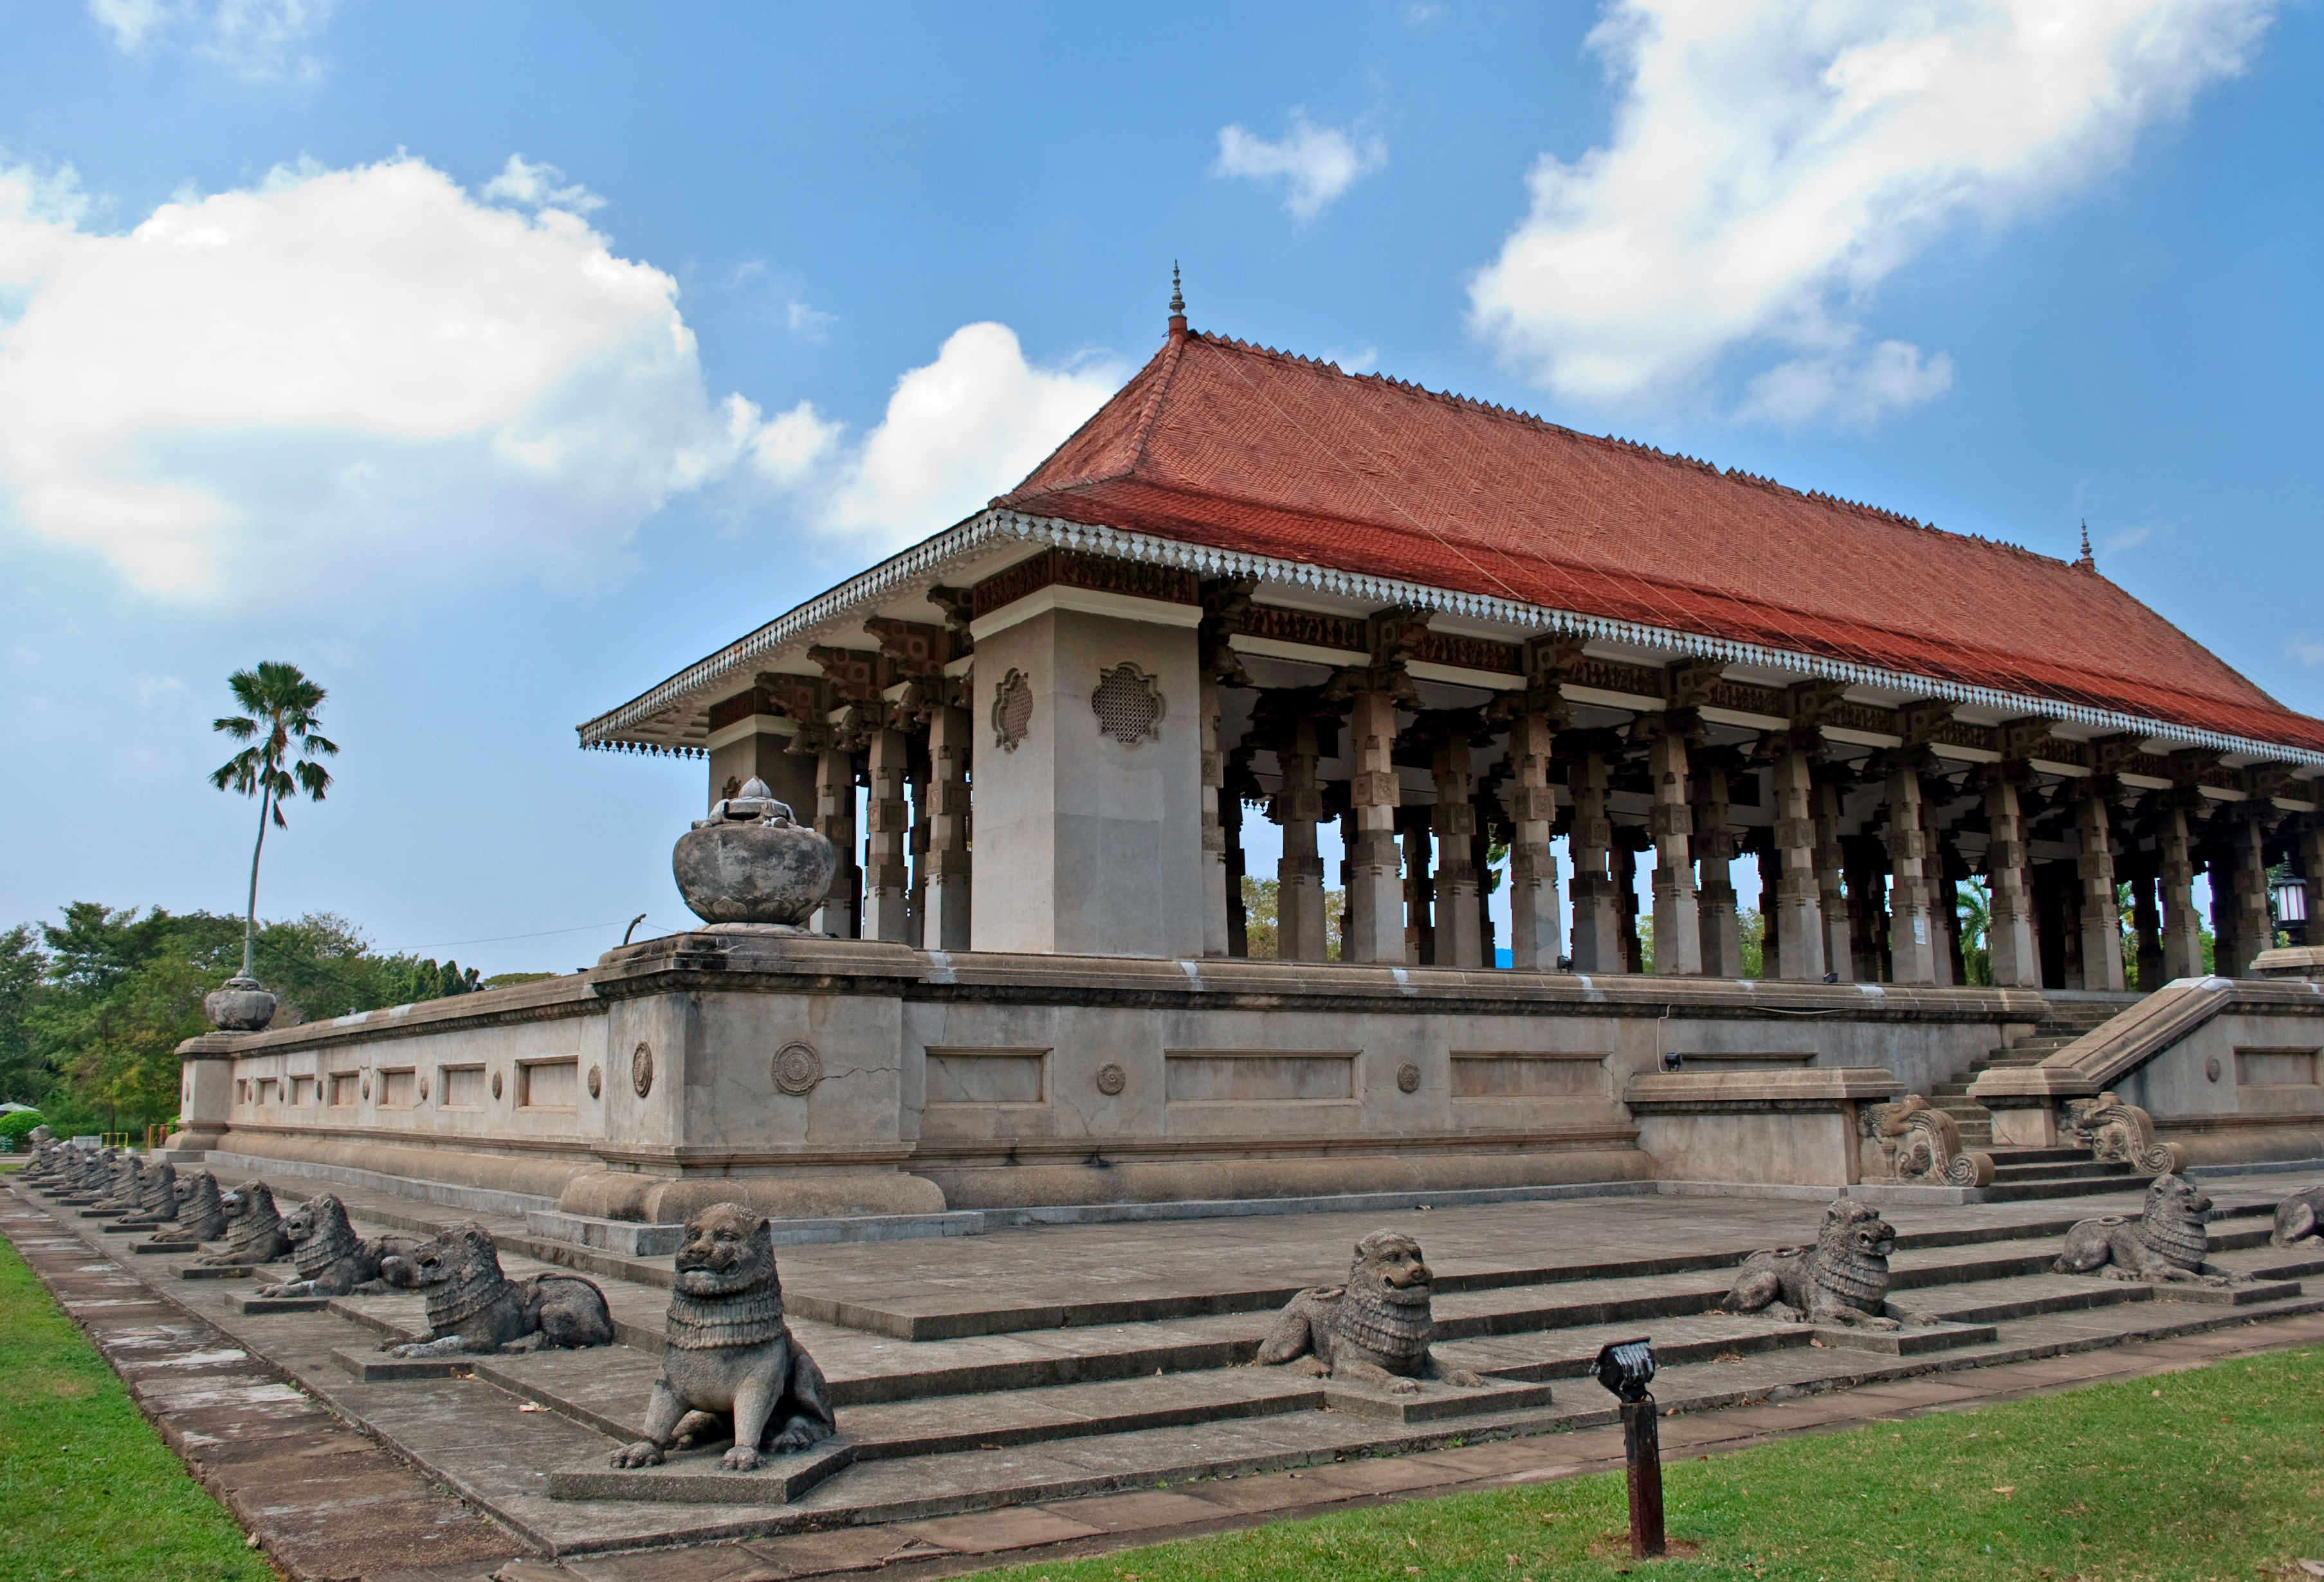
x=529 y=185
x=1348 y=362
x=957 y=431
x=1770 y=165
x=1317 y=162
x=2307 y=650
x=341 y=379
x=808 y=322
x=255 y=39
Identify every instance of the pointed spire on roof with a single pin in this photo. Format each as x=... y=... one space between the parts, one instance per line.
x=2087 y=563
x=1177 y=305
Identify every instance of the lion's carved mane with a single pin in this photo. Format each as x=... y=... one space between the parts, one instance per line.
x=1843 y=1278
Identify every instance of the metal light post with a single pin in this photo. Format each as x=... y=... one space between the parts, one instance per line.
x=1626 y=1368
x=2291 y=899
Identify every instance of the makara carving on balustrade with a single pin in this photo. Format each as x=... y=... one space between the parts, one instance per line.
x=2119 y=1133
x=1914 y=1143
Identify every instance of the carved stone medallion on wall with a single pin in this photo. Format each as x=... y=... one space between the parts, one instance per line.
x=496 y=1085
x=642 y=1069
x=1127 y=703
x=1111 y=1079
x=797 y=1068
x=597 y=1080
x=1013 y=712
x=1407 y=1078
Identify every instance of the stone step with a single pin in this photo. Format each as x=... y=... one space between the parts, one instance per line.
x=2023 y=1191
x=2084 y=1169
x=2025 y=1296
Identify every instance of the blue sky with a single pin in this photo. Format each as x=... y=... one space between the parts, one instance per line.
x=492 y=362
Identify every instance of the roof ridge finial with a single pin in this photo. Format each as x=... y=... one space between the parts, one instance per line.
x=1177 y=306
x=2087 y=563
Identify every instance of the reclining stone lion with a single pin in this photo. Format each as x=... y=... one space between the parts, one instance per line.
x=2164 y=1245
x=2300 y=1220
x=1843 y=1278
x=473 y=1307
x=732 y=1362
x=254 y=1227
x=331 y=1258
x=201 y=1209
x=1376 y=1330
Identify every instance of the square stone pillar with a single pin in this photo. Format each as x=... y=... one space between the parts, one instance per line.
x=1714 y=849
x=1459 y=941
x=1911 y=939
x=1867 y=909
x=2183 y=937
x=834 y=820
x=1590 y=843
x=2147 y=924
x=1832 y=893
x=1944 y=901
x=1374 y=887
x=1299 y=874
x=1625 y=896
x=2254 y=923
x=1796 y=912
x=1214 y=844
x=1350 y=925
x=946 y=894
x=1535 y=928
x=1231 y=831
x=1089 y=828
x=2101 y=919
x=1678 y=919
x=2311 y=875
x=1419 y=888
x=887 y=879
x=759 y=748
x=2009 y=930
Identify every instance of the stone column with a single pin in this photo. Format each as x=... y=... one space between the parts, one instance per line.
x=1794 y=913
x=2255 y=925
x=1831 y=894
x=1911 y=941
x=885 y=880
x=1590 y=843
x=1374 y=892
x=1299 y=875
x=1214 y=845
x=2009 y=932
x=1419 y=889
x=1351 y=923
x=1867 y=909
x=946 y=894
x=1678 y=919
x=1535 y=926
x=1944 y=902
x=2182 y=939
x=2146 y=922
x=1626 y=886
x=2312 y=874
x=1230 y=832
x=1453 y=823
x=2101 y=919
x=834 y=820
x=1714 y=848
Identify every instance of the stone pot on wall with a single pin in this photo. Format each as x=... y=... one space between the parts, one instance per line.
x=749 y=862
x=241 y=1005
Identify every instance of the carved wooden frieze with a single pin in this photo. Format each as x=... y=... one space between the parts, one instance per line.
x=1096 y=573
x=1469 y=653
x=1309 y=628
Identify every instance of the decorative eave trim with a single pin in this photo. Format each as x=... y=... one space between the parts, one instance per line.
x=620 y=727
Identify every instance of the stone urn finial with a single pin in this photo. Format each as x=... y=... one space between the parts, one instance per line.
x=241 y=1005
x=751 y=862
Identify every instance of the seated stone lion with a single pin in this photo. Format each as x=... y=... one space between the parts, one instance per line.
x=2300 y=1220
x=1843 y=1278
x=2165 y=1245
x=1376 y=1330
x=331 y=1258
x=731 y=1362
x=254 y=1226
x=473 y=1307
x=201 y=1211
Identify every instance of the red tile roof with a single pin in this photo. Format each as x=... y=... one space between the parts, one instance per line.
x=1222 y=444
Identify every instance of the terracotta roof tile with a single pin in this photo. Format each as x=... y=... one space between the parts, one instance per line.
x=1233 y=447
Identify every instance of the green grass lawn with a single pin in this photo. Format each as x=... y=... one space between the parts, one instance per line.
x=87 y=1489
x=2217 y=1473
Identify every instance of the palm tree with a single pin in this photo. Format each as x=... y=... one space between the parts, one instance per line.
x=280 y=702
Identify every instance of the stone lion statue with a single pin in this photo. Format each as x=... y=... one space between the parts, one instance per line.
x=2300 y=1219
x=331 y=1258
x=127 y=1186
x=1376 y=1330
x=2165 y=1245
x=254 y=1227
x=201 y=1210
x=157 y=1203
x=1843 y=1278
x=473 y=1307
x=731 y=1361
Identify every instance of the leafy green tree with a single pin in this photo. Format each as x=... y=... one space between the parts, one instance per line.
x=24 y=981
x=286 y=739
x=1975 y=910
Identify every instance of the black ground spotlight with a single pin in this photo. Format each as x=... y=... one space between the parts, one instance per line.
x=1626 y=1368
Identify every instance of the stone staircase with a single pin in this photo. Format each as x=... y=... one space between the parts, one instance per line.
x=2021 y=1173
